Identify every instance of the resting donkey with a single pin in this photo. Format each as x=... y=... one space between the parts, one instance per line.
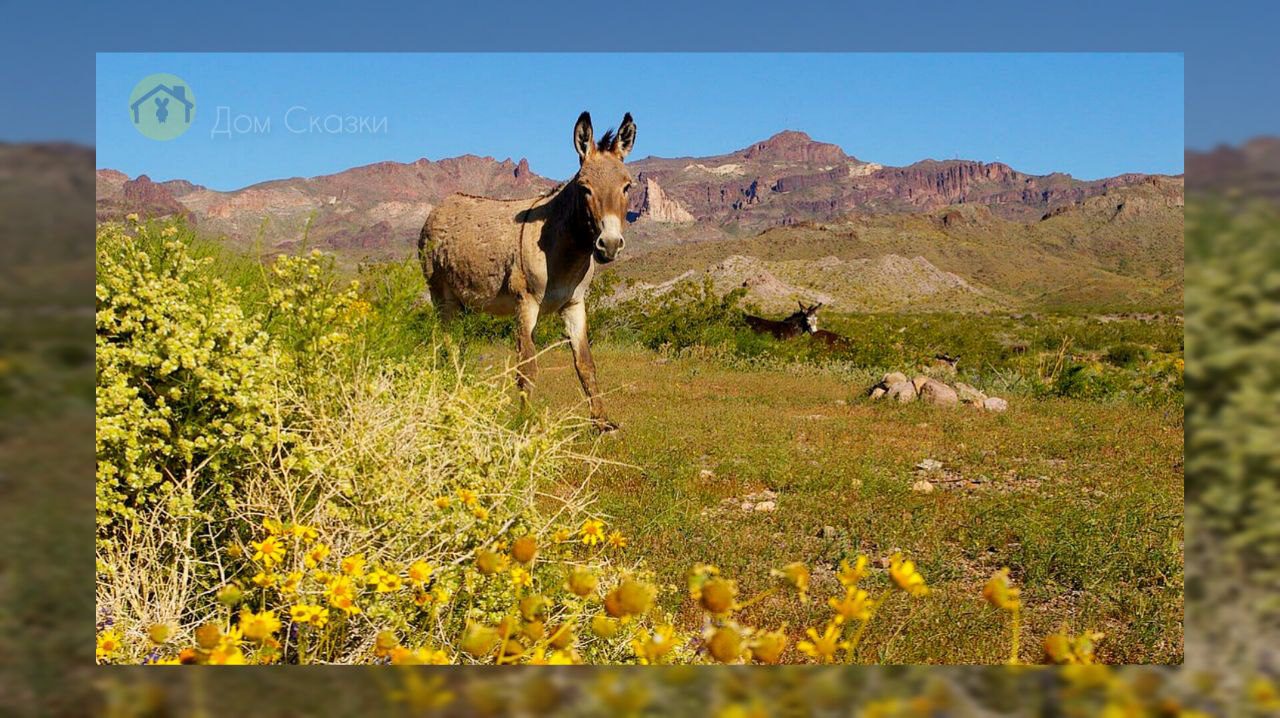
x=799 y=323
x=526 y=257
x=804 y=321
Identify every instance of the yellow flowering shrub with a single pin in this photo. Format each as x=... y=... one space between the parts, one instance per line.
x=185 y=379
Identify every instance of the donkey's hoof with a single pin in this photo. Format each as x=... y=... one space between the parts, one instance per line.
x=604 y=426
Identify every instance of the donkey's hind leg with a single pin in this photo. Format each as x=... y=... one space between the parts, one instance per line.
x=443 y=298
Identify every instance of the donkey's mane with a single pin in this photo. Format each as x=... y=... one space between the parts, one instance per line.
x=606 y=141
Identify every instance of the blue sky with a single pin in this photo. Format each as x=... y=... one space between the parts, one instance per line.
x=1093 y=115
x=1233 y=90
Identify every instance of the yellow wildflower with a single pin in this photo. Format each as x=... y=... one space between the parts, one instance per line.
x=725 y=644
x=561 y=535
x=264 y=579
x=304 y=533
x=617 y=540
x=467 y=497
x=108 y=645
x=1264 y=694
x=481 y=513
x=650 y=648
x=850 y=575
x=290 y=585
x=768 y=647
x=904 y=574
x=273 y=526
x=384 y=581
x=855 y=606
x=232 y=656
x=353 y=565
x=419 y=572
x=592 y=532
x=521 y=577
x=342 y=594
x=797 y=576
x=442 y=502
x=314 y=615
x=717 y=595
x=258 y=626
x=540 y=657
x=999 y=593
x=401 y=656
x=629 y=598
x=316 y=555
x=823 y=647
x=269 y=551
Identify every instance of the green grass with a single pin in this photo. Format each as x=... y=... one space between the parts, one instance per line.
x=1082 y=499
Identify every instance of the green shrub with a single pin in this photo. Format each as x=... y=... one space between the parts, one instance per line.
x=1126 y=354
x=1233 y=378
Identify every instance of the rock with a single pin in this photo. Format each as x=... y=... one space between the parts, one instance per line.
x=968 y=394
x=878 y=392
x=747 y=506
x=765 y=506
x=706 y=474
x=922 y=486
x=929 y=465
x=995 y=403
x=828 y=532
x=657 y=206
x=935 y=392
x=903 y=391
x=892 y=378
x=919 y=381
x=840 y=402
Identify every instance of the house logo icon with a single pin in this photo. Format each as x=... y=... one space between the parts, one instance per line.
x=162 y=106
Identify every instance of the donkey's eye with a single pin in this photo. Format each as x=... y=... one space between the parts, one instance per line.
x=626 y=188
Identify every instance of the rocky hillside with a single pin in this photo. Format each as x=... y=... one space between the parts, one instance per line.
x=1122 y=248
x=791 y=177
x=888 y=282
x=374 y=210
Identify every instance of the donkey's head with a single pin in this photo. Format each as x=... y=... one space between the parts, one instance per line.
x=603 y=182
x=806 y=318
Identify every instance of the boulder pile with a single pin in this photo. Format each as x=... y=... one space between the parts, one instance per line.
x=896 y=386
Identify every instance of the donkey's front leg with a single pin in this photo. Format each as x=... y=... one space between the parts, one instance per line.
x=526 y=352
x=575 y=324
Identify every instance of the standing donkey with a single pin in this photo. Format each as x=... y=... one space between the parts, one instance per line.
x=526 y=257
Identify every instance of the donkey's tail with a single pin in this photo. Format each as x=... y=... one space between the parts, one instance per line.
x=424 y=250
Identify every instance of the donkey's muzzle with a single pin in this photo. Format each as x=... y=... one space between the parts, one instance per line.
x=608 y=248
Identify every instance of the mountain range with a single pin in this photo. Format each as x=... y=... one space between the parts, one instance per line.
x=1009 y=238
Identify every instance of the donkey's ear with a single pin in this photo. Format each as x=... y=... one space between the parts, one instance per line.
x=801 y=303
x=583 y=136
x=626 y=138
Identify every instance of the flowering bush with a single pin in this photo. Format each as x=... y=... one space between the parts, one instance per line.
x=185 y=379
